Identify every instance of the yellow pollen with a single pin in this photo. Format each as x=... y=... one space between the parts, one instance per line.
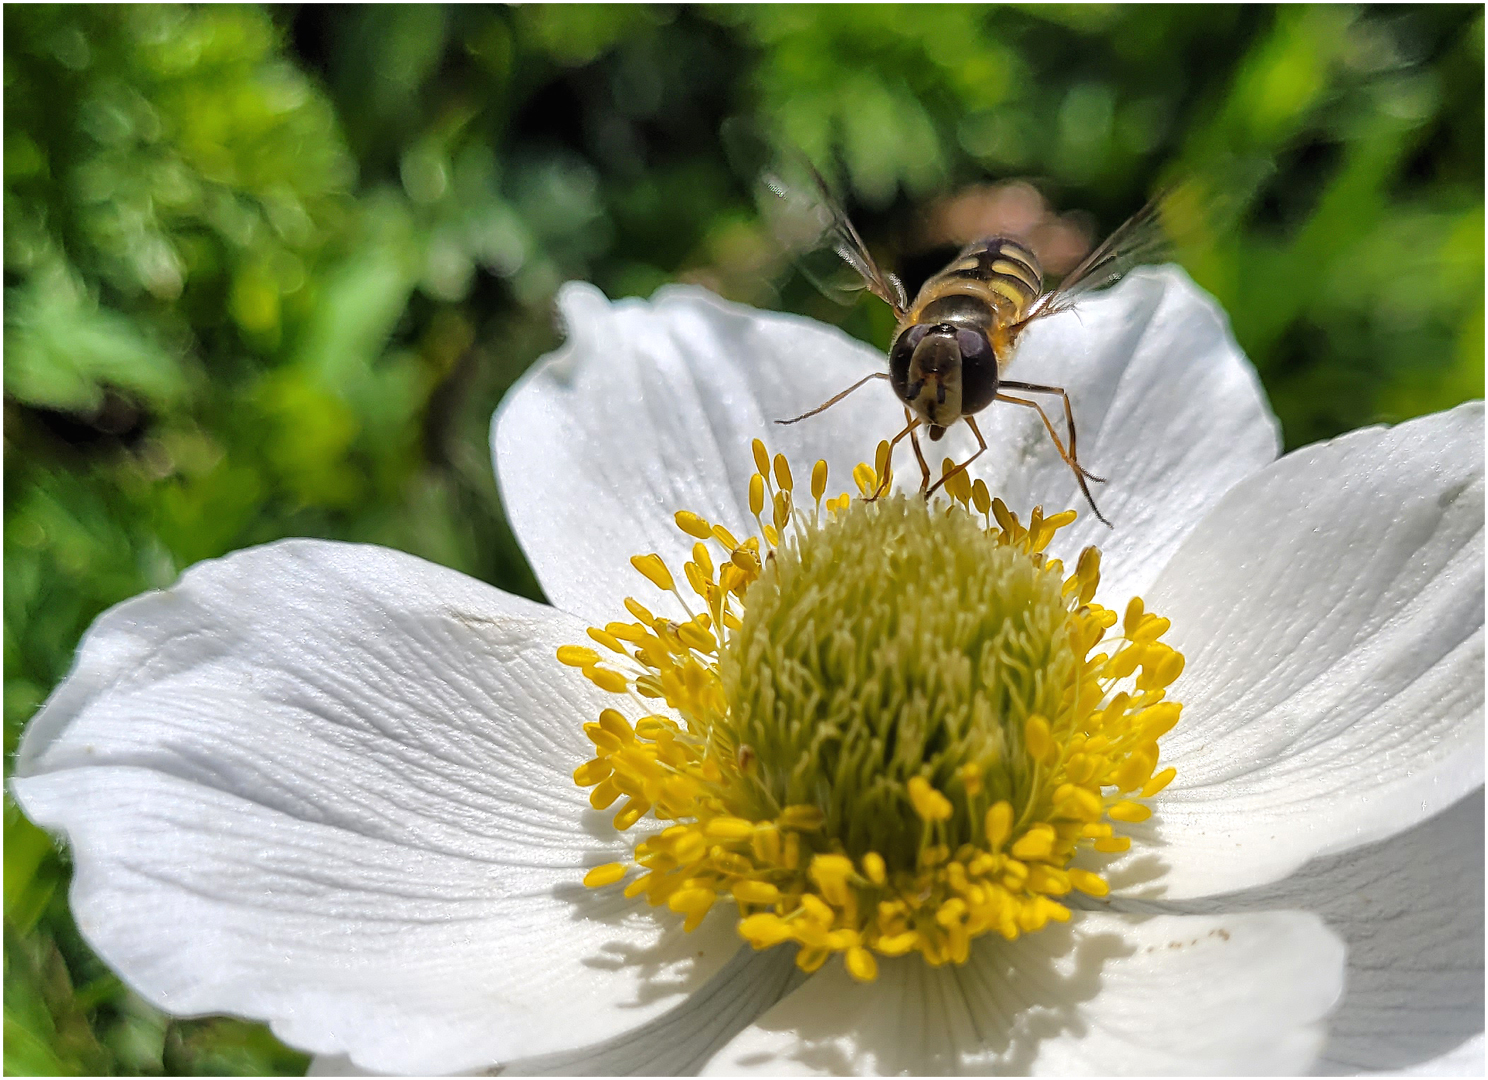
x=889 y=729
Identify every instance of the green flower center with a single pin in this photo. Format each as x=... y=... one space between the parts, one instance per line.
x=895 y=641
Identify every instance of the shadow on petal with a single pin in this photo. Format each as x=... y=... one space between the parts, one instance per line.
x=1105 y=994
x=990 y=1015
x=1411 y=912
x=663 y=961
x=680 y=1042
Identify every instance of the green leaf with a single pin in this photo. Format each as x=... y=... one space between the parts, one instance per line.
x=27 y=848
x=62 y=348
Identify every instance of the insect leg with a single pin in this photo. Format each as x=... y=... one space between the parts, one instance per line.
x=1069 y=420
x=824 y=406
x=888 y=474
x=1066 y=458
x=981 y=442
x=914 y=440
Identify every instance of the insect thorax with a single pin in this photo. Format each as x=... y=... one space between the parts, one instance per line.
x=991 y=284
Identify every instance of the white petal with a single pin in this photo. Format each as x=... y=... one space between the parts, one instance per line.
x=1331 y=613
x=649 y=408
x=682 y=1041
x=677 y=1044
x=329 y=786
x=1105 y=994
x=1167 y=409
x=1465 y=1060
x=1410 y=910
x=337 y=1065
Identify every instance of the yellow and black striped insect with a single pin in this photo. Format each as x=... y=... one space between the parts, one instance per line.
x=953 y=343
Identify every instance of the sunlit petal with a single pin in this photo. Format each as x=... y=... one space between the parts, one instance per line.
x=328 y=786
x=1331 y=610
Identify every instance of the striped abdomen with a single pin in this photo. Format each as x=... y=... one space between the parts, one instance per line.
x=989 y=286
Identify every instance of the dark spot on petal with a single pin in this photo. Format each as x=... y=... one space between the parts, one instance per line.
x=471 y=620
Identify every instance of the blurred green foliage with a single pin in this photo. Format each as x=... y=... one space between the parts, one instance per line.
x=268 y=272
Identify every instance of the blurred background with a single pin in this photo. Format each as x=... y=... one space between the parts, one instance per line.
x=268 y=271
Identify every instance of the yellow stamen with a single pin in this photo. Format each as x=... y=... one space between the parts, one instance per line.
x=928 y=803
x=999 y=825
x=1012 y=749
x=1158 y=782
x=860 y=964
x=783 y=473
x=818 y=481
x=605 y=679
x=1129 y=811
x=654 y=570
x=607 y=874
x=761 y=456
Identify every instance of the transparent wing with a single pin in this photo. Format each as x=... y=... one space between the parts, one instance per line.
x=808 y=222
x=1188 y=215
x=1141 y=239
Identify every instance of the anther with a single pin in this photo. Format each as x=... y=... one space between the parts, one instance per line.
x=1129 y=811
x=761 y=457
x=693 y=525
x=577 y=656
x=654 y=571
x=980 y=498
x=783 y=473
x=860 y=964
x=607 y=874
x=607 y=640
x=928 y=803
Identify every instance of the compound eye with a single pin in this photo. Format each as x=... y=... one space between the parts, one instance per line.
x=912 y=337
x=908 y=341
x=973 y=345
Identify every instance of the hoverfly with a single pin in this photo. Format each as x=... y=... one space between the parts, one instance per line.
x=955 y=340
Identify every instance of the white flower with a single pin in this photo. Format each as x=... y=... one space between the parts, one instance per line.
x=329 y=785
